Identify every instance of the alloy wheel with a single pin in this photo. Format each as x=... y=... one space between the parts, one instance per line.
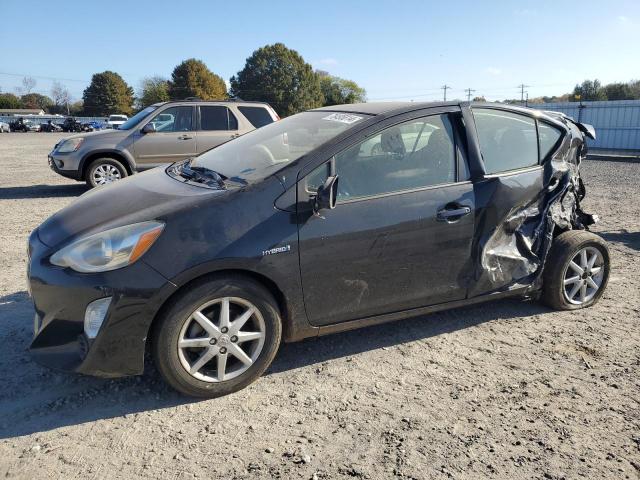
x=583 y=275
x=221 y=339
x=106 y=173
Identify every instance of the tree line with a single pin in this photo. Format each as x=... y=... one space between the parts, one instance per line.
x=274 y=74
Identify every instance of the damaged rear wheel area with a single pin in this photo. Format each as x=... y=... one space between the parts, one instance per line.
x=576 y=271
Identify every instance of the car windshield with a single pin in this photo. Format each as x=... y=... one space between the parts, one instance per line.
x=264 y=151
x=133 y=121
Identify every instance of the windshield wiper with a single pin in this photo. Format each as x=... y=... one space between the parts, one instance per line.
x=203 y=175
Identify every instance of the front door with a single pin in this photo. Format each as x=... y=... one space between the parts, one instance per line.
x=400 y=235
x=173 y=140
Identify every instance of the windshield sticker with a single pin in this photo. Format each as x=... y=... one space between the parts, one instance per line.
x=343 y=118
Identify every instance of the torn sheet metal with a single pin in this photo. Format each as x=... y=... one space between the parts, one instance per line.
x=513 y=254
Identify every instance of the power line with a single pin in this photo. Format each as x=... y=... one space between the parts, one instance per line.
x=469 y=91
x=522 y=86
x=445 y=87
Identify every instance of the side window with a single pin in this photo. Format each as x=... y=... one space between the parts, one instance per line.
x=508 y=141
x=216 y=117
x=258 y=116
x=415 y=154
x=174 y=119
x=548 y=137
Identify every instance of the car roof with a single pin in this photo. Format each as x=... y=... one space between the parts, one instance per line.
x=229 y=101
x=379 y=108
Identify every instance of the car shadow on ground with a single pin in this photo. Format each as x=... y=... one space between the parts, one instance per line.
x=42 y=191
x=35 y=399
x=630 y=239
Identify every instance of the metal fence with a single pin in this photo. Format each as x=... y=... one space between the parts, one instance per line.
x=617 y=122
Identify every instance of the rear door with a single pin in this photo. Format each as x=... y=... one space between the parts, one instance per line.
x=400 y=235
x=173 y=140
x=217 y=124
x=511 y=195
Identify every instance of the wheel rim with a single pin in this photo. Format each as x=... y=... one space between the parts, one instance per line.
x=583 y=276
x=106 y=173
x=221 y=339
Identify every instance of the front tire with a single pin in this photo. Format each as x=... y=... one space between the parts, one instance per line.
x=217 y=337
x=104 y=171
x=576 y=271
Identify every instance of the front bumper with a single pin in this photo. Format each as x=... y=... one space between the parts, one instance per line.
x=65 y=166
x=60 y=297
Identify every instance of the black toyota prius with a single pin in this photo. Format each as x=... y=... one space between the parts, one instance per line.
x=332 y=219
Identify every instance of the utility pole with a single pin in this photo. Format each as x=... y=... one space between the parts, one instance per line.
x=469 y=91
x=445 y=87
x=526 y=100
x=522 y=86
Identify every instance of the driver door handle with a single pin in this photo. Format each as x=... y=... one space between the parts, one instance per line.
x=185 y=137
x=453 y=214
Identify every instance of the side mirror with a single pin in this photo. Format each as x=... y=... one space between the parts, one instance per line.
x=327 y=194
x=149 y=128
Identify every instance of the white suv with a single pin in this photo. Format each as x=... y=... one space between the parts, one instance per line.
x=116 y=120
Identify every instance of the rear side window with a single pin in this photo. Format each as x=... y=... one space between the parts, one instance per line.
x=258 y=116
x=548 y=136
x=215 y=117
x=508 y=141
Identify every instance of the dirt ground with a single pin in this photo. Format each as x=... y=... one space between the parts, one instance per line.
x=508 y=390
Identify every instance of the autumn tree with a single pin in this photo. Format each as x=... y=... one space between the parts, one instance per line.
x=338 y=91
x=192 y=78
x=153 y=90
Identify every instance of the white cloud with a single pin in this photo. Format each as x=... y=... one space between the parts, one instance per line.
x=493 y=71
x=624 y=20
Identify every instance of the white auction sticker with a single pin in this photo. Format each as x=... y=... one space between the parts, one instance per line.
x=343 y=117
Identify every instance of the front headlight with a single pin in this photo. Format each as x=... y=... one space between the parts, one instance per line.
x=70 y=145
x=109 y=250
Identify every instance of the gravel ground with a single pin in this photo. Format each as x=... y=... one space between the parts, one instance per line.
x=505 y=390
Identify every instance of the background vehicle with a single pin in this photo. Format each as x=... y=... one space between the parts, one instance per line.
x=261 y=239
x=70 y=124
x=4 y=127
x=20 y=125
x=159 y=134
x=50 y=127
x=115 y=121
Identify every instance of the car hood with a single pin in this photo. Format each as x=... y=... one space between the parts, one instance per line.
x=146 y=196
x=103 y=134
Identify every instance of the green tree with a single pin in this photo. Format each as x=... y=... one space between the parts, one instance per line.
x=338 y=91
x=618 y=91
x=192 y=78
x=588 y=91
x=36 y=100
x=279 y=76
x=153 y=90
x=108 y=93
x=9 y=100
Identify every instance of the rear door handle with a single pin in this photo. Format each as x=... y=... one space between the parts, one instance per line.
x=185 y=137
x=453 y=214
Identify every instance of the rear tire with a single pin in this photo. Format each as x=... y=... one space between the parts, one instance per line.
x=201 y=354
x=104 y=171
x=576 y=271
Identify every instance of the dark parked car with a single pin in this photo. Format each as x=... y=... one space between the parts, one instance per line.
x=20 y=125
x=70 y=124
x=50 y=127
x=328 y=220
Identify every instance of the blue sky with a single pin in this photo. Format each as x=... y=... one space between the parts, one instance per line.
x=395 y=49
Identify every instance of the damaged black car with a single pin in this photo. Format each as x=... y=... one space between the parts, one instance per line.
x=329 y=220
